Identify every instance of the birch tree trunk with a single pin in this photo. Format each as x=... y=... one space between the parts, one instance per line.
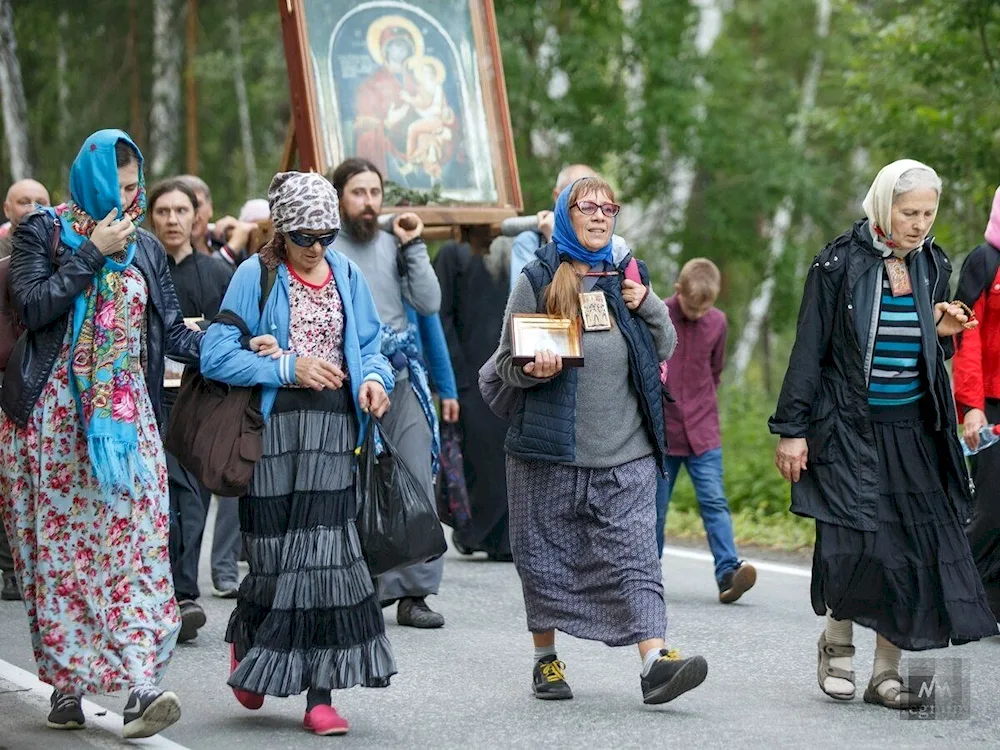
x=761 y=302
x=15 y=111
x=165 y=108
x=136 y=129
x=667 y=215
x=242 y=101
x=62 y=93
x=635 y=77
x=711 y=14
x=546 y=141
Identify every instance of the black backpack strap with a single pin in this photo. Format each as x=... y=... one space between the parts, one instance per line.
x=978 y=272
x=267 y=277
x=229 y=318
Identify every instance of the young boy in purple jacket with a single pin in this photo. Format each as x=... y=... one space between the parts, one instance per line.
x=692 y=421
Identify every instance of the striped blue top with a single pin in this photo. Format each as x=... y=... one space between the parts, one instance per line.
x=895 y=377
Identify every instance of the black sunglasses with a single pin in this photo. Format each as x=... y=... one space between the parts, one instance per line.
x=308 y=240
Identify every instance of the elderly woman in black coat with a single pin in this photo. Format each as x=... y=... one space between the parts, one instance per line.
x=869 y=441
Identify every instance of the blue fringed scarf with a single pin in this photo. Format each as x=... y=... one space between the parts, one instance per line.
x=106 y=383
x=402 y=351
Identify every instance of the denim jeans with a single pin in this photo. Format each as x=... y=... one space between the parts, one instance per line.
x=706 y=475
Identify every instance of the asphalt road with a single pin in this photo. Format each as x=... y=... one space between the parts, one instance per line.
x=467 y=685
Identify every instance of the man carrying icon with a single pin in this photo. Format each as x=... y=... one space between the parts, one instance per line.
x=398 y=271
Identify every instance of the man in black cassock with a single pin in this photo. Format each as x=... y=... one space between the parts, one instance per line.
x=475 y=283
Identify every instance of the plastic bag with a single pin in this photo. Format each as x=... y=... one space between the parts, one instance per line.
x=396 y=520
x=452 y=494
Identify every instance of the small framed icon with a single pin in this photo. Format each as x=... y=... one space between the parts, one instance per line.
x=533 y=332
x=594 y=309
x=173 y=371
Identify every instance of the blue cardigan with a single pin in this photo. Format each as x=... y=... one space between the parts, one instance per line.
x=224 y=358
x=434 y=350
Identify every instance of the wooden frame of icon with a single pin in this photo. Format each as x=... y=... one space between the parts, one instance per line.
x=533 y=332
x=173 y=371
x=417 y=88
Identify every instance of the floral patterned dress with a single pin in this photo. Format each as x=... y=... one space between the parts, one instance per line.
x=94 y=569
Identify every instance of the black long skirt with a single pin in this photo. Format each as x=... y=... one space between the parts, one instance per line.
x=984 y=531
x=913 y=580
x=307 y=615
x=483 y=434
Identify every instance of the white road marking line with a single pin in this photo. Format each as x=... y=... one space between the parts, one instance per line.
x=109 y=722
x=788 y=570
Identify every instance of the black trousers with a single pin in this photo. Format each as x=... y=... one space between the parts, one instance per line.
x=6 y=560
x=187 y=525
x=984 y=531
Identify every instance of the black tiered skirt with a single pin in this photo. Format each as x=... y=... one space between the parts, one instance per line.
x=913 y=580
x=307 y=615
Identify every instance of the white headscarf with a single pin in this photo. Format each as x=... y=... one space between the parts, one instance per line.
x=255 y=209
x=878 y=202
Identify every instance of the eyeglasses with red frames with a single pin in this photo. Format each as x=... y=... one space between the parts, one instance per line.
x=589 y=208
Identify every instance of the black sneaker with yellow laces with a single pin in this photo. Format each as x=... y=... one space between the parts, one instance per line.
x=671 y=676
x=548 y=681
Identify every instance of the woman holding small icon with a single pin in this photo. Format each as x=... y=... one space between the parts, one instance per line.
x=583 y=449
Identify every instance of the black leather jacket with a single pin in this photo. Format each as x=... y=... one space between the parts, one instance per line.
x=43 y=296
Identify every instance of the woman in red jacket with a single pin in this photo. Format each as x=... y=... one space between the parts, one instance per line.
x=977 y=396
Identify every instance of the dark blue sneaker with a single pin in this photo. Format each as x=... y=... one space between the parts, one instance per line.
x=67 y=711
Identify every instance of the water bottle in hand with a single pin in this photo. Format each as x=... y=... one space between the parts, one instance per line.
x=988 y=435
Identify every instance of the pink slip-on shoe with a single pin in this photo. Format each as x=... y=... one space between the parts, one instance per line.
x=325 y=721
x=253 y=701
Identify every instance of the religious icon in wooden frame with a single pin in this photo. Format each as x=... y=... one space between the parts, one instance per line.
x=532 y=332
x=414 y=86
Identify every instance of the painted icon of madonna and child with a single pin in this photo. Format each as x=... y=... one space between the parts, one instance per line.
x=408 y=98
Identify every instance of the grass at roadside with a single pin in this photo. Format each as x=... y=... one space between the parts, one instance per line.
x=784 y=532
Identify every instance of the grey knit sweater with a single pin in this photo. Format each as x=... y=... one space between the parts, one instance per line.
x=609 y=429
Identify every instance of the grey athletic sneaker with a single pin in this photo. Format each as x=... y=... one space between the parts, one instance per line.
x=149 y=710
x=225 y=590
x=67 y=711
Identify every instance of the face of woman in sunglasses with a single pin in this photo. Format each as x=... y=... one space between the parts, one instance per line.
x=593 y=230
x=305 y=259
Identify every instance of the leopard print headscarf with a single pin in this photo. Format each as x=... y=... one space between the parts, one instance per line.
x=298 y=201
x=303 y=201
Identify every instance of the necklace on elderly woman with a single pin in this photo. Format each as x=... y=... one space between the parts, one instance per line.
x=899 y=277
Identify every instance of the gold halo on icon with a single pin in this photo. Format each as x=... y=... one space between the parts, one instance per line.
x=381 y=24
x=415 y=63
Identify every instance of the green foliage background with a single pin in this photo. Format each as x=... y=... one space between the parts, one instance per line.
x=901 y=78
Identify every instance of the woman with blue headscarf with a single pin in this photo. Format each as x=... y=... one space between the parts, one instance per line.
x=583 y=449
x=83 y=482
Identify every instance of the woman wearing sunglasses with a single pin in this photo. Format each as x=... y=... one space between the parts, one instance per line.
x=583 y=450
x=307 y=617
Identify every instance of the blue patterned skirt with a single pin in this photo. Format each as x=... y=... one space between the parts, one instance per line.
x=585 y=549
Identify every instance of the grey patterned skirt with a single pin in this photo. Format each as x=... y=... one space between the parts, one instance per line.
x=585 y=549
x=307 y=615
